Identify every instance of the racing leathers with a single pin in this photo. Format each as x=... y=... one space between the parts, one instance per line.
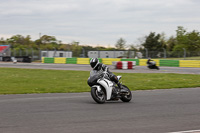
x=101 y=68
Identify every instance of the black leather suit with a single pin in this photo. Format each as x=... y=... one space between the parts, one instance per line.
x=101 y=67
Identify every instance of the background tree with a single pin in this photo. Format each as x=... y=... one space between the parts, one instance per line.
x=152 y=42
x=2 y=41
x=193 y=41
x=181 y=39
x=121 y=44
x=76 y=49
x=66 y=47
x=188 y=40
x=162 y=40
x=132 y=47
x=171 y=42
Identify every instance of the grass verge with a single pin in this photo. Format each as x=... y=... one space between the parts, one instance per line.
x=23 y=81
x=187 y=58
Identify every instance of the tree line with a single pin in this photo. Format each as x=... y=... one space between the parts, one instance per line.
x=190 y=41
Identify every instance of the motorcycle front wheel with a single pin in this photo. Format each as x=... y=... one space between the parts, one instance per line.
x=127 y=97
x=98 y=96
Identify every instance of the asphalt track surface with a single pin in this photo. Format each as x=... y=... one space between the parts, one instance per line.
x=155 y=111
x=79 y=67
x=158 y=111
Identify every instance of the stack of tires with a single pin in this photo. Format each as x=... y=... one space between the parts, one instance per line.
x=124 y=65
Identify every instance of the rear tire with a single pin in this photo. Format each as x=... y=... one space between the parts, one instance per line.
x=98 y=97
x=126 y=98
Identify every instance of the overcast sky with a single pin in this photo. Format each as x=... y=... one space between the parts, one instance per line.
x=97 y=22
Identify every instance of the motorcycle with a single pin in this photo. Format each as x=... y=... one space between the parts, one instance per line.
x=152 y=65
x=103 y=89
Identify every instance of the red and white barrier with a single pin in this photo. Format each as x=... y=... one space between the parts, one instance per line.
x=124 y=64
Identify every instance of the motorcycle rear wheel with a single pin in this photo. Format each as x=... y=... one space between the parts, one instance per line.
x=98 y=97
x=126 y=98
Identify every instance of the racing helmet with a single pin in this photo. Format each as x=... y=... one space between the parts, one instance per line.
x=94 y=62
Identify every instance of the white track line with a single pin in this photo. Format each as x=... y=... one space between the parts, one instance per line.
x=189 y=131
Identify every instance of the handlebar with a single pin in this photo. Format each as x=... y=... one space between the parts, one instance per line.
x=104 y=74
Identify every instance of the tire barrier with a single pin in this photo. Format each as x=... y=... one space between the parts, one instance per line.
x=124 y=64
x=60 y=60
x=71 y=61
x=189 y=63
x=136 y=60
x=111 y=61
x=48 y=60
x=169 y=63
x=108 y=61
x=83 y=61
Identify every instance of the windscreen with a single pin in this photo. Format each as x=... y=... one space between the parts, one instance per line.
x=94 y=76
x=94 y=73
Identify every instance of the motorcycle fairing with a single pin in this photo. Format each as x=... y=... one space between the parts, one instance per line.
x=108 y=87
x=98 y=87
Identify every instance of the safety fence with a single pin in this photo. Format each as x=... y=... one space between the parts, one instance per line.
x=139 y=62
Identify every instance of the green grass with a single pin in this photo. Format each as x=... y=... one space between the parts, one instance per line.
x=22 y=81
x=187 y=58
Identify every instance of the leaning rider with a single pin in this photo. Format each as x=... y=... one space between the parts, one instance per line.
x=149 y=62
x=96 y=65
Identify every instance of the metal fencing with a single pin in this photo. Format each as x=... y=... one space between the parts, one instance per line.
x=170 y=54
x=36 y=54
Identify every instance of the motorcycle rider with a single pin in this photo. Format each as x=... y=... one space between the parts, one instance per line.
x=149 y=61
x=152 y=65
x=96 y=65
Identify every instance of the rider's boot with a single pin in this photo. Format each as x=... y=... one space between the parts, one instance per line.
x=121 y=89
x=119 y=86
x=115 y=79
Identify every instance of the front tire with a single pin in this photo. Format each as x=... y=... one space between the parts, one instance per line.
x=128 y=97
x=98 y=97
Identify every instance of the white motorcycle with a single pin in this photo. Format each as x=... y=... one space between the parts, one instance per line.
x=103 y=89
